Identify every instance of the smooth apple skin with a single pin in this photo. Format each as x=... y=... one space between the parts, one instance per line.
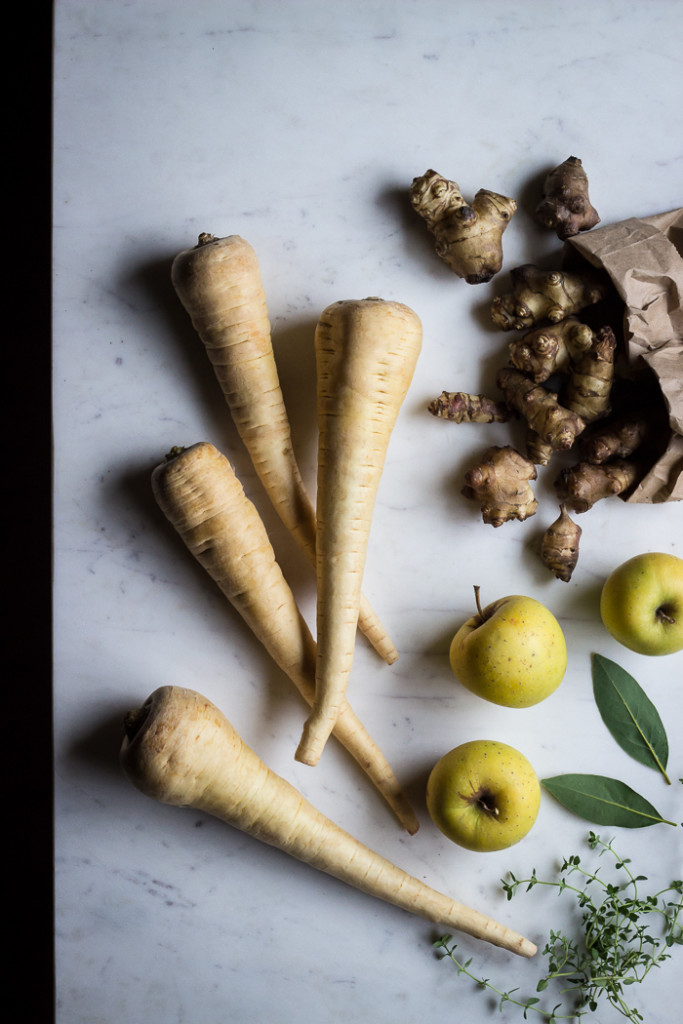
x=516 y=658
x=632 y=596
x=489 y=767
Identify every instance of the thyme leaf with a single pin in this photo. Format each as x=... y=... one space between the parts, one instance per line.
x=624 y=935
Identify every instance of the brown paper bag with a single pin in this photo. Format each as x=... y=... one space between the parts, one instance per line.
x=644 y=259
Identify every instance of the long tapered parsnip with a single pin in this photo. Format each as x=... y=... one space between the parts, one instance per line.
x=199 y=493
x=180 y=749
x=219 y=284
x=366 y=352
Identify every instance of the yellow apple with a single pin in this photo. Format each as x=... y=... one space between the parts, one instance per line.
x=641 y=603
x=483 y=795
x=512 y=652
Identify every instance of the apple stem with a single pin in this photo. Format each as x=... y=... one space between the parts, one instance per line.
x=480 y=612
x=664 y=616
x=486 y=801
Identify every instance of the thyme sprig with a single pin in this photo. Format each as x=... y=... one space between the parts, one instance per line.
x=624 y=936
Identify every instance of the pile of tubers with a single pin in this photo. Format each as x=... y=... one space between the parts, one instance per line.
x=561 y=377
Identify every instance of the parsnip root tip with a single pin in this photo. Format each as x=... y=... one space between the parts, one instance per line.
x=182 y=750
x=366 y=353
x=317 y=730
x=201 y=496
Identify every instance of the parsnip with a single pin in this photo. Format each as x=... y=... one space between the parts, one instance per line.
x=366 y=352
x=200 y=495
x=180 y=749
x=219 y=284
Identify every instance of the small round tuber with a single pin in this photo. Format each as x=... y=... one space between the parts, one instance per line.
x=501 y=484
x=560 y=546
x=544 y=295
x=565 y=205
x=617 y=439
x=545 y=350
x=580 y=486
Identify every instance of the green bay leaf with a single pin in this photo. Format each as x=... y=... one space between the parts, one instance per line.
x=629 y=714
x=603 y=801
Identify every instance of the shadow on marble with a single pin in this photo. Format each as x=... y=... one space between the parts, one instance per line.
x=182 y=347
x=418 y=242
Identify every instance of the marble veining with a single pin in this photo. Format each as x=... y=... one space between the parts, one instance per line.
x=300 y=126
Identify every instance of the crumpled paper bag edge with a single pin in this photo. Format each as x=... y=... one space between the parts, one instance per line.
x=646 y=268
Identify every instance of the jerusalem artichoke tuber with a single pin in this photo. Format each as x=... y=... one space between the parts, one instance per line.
x=543 y=351
x=544 y=294
x=565 y=205
x=580 y=486
x=468 y=236
x=560 y=546
x=553 y=423
x=501 y=484
x=617 y=439
x=588 y=389
x=461 y=407
x=538 y=450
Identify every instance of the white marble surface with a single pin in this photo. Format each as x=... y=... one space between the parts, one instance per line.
x=300 y=126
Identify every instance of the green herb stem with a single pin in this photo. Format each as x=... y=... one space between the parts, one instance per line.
x=616 y=949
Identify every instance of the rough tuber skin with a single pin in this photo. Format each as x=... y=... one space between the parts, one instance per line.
x=565 y=206
x=554 y=424
x=544 y=295
x=501 y=484
x=468 y=236
x=545 y=350
x=560 y=546
x=589 y=386
x=538 y=450
x=461 y=407
x=616 y=440
x=580 y=486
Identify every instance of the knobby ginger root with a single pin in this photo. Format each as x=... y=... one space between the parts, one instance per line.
x=544 y=295
x=501 y=484
x=565 y=205
x=543 y=351
x=590 y=381
x=580 y=486
x=461 y=407
x=551 y=422
x=560 y=546
x=468 y=236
